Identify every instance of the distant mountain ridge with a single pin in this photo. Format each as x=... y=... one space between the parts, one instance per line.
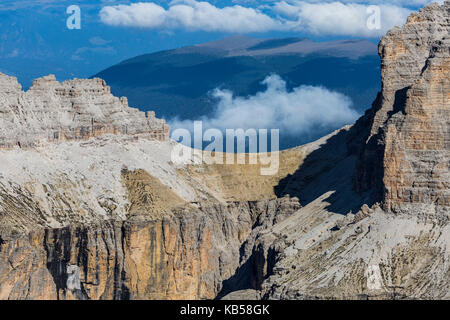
x=245 y=46
x=178 y=83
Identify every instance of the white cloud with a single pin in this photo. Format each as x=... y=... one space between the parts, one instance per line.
x=98 y=41
x=77 y=55
x=318 y=17
x=13 y=53
x=189 y=14
x=407 y=3
x=338 y=18
x=306 y=110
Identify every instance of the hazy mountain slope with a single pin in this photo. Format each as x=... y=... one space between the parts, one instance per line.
x=177 y=82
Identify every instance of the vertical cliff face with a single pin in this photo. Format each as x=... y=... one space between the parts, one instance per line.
x=184 y=255
x=417 y=148
x=404 y=52
x=23 y=269
x=344 y=245
x=405 y=157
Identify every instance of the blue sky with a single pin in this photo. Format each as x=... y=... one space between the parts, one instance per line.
x=35 y=40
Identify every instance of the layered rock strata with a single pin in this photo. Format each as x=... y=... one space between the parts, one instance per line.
x=71 y=110
x=405 y=157
x=186 y=254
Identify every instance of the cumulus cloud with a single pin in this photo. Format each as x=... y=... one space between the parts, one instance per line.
x=189 y=14
x=407 y=3
x=303 y=111
x=338 y=18
x=318 y=17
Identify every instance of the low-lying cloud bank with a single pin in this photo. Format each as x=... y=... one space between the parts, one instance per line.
x=303 y=111
x=346 y=18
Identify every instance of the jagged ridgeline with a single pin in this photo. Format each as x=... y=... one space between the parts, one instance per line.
x=71 y=110
x=92 y=207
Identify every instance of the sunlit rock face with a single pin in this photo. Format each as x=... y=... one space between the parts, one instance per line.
x=336 y=246
x=72 y=110
x=405 y=159
x=93 y=207
x=186 y=254
x=100 y=213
